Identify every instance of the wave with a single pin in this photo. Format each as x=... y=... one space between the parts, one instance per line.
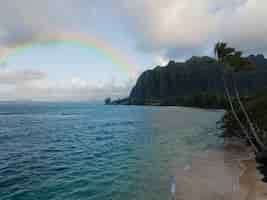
x=69 y=114
x=121 y=123
x=13 y=113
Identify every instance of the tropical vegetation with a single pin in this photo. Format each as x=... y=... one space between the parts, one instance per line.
x=234 y=62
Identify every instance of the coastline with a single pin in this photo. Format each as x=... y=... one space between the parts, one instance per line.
x=226 y=173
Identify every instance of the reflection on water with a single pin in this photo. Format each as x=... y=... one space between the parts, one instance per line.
x=222 y=174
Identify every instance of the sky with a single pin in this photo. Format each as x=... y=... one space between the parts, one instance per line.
x=86 y=50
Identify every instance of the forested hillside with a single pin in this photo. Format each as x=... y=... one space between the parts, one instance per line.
x=196 y=82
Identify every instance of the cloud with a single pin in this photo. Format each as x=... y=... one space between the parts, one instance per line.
x=173 y=28
x=69 y=90
x=180 y=28
x=22 y=21
x=161 y=61
x=246 y=28
x=31 y=84
x=10 y=77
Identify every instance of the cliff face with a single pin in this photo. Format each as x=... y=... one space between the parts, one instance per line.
x=197 y=77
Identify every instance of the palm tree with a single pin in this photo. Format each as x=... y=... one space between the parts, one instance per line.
x=240 y=64
x=233 y=62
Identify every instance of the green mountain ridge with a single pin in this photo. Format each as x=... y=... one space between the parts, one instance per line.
x=195 y=82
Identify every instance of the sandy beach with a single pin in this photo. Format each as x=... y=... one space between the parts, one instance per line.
x=221 y=174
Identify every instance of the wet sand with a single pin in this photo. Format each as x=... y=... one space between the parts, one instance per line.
x=228 y=173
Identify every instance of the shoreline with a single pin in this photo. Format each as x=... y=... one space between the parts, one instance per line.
x=226 y=173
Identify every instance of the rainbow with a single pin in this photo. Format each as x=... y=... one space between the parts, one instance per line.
x=77 y=39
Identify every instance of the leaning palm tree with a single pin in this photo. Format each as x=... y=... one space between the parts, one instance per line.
x=233 y=62
x=237 y=64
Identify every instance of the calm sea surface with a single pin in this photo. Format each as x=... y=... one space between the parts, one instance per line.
x=65 y=151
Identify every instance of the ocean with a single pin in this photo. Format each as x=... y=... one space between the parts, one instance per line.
x=65 y=151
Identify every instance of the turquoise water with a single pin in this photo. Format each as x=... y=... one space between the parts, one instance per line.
x=82 y=151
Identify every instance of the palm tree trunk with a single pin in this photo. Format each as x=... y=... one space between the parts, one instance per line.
x=243 y=128
x=249 y=121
